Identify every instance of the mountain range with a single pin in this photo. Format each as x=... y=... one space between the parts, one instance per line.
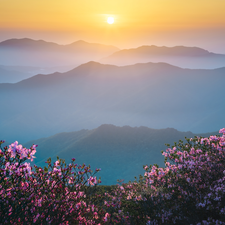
x=120 y=152
x=49 y=56
x=182 y=56
x=156 y=95
x=25 y=57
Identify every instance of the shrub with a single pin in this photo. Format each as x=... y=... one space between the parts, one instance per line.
x=189 y=190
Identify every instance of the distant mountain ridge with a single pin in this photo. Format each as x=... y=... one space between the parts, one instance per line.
x=44 y=57
x=153 y=94
x=26 y=43
x=182 y=56
x=14 y=74
x=172 y=51
x=29 y=52
x=120 y=152
x=39 y=56
x=30 y=43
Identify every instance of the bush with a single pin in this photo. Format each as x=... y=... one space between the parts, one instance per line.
x=189 y=190
x=56 y=194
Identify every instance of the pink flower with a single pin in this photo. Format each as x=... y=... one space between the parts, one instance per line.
x=106 y=216
x=92 y=180
x=145 y=168
x=57 y=171
x=57 y=163
x=222 y=131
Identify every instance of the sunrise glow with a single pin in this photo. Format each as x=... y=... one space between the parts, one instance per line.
x=106 y=85
x=174 y=22
x=110 y=20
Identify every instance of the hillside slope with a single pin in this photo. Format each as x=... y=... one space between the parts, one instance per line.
x=120 y=152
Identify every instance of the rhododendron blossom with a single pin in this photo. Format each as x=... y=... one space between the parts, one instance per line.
x=190 y=189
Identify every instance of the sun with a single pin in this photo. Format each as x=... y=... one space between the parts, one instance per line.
x=110 y=20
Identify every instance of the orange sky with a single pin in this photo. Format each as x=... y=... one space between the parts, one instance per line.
x=138 y=22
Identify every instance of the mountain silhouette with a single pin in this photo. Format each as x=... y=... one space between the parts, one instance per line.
x=27 y=43
x=182 y=56
x=28 y=52
x=120 y=152
x=171 y=51
x=14 y=74
x=155 y=95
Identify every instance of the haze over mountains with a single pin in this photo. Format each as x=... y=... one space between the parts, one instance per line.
x=185 y=57
x=8 y=75
x=41 y=53
x=146 y=92
x=23 y=58
x=120 y=152
x=47 y=57
x=14 y=74
x=156 y=95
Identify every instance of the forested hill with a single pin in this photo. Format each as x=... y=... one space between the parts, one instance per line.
x=120 y=152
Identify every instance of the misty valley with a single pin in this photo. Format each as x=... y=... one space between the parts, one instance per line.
x=113 y=109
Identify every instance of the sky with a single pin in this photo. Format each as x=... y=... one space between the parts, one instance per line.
x=198 y=23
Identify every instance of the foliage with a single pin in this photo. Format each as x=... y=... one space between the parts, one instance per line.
x=189 y=190
x=56 y=194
